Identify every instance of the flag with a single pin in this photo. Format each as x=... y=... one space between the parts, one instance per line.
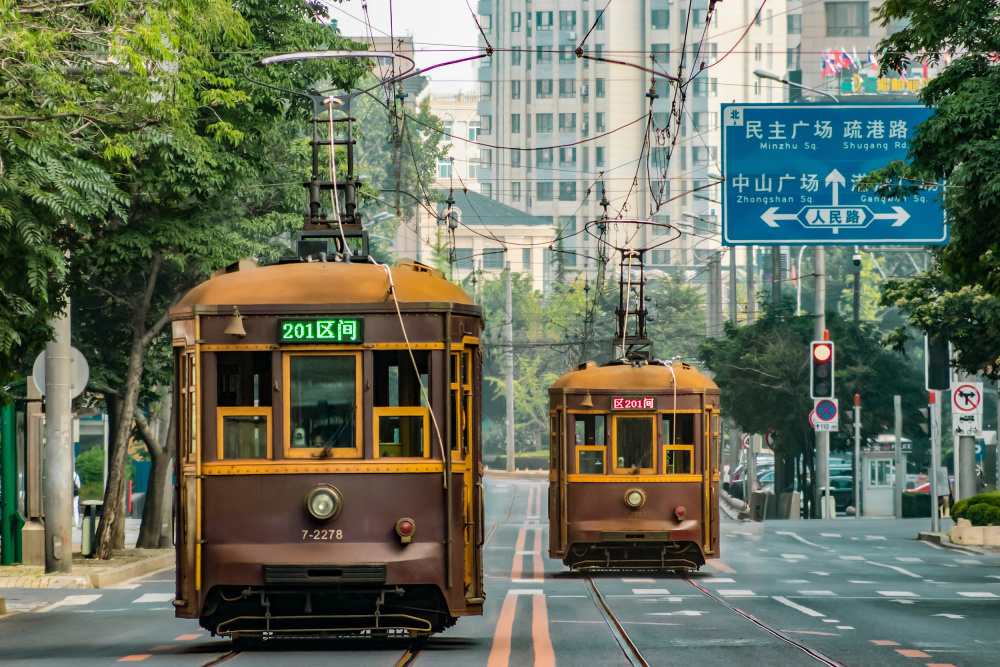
x=872 y=62
x=857 y=62
x=845 y=58
x=828 y=66
x=923 y=64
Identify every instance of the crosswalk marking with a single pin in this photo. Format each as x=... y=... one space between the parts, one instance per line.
x=70 y=601
x=909 y=559
x=736 y=593
x=816 y=593
x=794 y=605
x=640 y=580
x=650 y=591
x=978 y=594
x=898 y=594
x=721 y=580
x=829 y=534
x=967 y=561
x=153 y=597
x=852 y=558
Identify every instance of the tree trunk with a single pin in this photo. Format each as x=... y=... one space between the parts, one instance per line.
x=161 y=454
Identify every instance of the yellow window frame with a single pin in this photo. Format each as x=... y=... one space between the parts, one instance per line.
x=355 y=452
x=678 y=448
x=222 y=413
x=614 y=443
x=411 y=411
x=592 y=448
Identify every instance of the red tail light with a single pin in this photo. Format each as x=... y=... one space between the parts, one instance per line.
x=405 y=528
x=680 y=512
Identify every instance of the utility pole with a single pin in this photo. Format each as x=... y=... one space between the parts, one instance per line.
x=857 y=456
x=509 y=335
x=776 y=275
x=857 y=285
x=900 y=474
x=58 y=502
x=710 y=295
x=819 y=328
x=732 y=285
x=968 y=480
x=935 y=415
x=751 y=297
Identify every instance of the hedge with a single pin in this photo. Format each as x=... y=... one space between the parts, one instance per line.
x=981 y=510
x=523 y=461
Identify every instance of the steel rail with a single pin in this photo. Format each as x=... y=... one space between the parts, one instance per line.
x=813 y=653
x=631 y=651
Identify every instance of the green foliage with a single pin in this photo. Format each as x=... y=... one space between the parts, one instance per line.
x=981 y=510
x=916 y=505
x=90 y=465
x=959 y=144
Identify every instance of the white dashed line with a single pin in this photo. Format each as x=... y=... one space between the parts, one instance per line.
x=736 y=593
x=527 y=553
x=898 y=594
x=650 y=591
x=852 y=558
x=795 y=581
x=154 y=597
x=799 y=538
x=874 y=537
x=845 y=627
x=855 y=581
x=525 y=591
x=794 y=605
x=816 y=593
x=829 y=534
x=909 y=559
x=978 y=594
x=721 y=580
x=639 y=581
x=70 y=601
x=967 y=561
x=793 y=556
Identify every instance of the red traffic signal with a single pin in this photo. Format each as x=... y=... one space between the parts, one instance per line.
x=822 y=351
x=821 y=369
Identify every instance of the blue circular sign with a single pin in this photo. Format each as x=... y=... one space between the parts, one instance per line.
x=826 y=410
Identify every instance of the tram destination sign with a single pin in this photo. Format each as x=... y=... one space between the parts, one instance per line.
x=633 y=403
x=791 y=169
x=344 y=330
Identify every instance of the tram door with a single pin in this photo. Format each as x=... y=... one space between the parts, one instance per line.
x=557 y=477
x=710 y=471
x=186 y=490
x=466 y=405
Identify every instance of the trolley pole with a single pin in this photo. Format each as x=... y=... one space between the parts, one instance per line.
x=857 y=456
x=58 y=502
x=509 y=335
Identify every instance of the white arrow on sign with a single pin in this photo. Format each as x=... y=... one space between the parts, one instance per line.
x=900 y=216
x=836 y=179
x=770 y=216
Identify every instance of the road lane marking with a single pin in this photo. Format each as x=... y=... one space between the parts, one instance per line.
x=544 y=653
x=639 y=581
x=154 y=597
x=537 y=555
x=845 y=627
x=736 y=593
x=829 y=534
x=884 y=642
x=909 y=559
x=874 y=537
x=70 y=601
x=912 y=653
x=830 y=620
x=852 y=558
x=524 y=591
x=515 y=571
x=950 y=615
x=569 y=596
x=795 y=605
x=795 y=581
x=500 y=651
x=858 y=581
x=821 y=574
x=650 y=591
x=898 y=594
x=682 y=612
x=896 y=568
x=186 y=638
x=793 y=556
x=526 y=553
x=720 y=566
x=800 y=539
x=816 y=593
x=135 y=658
x=979 y=594
x=811 y=632
x=720 y=580
x=967 y=561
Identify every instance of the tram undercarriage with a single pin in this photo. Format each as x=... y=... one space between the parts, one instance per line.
x=635 y=555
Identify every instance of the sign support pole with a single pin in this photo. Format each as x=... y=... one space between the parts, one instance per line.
x=509 y=331
x=965 y=458
x=819 y=327
x=935 y=413
x=857 y=456
x=900 y=474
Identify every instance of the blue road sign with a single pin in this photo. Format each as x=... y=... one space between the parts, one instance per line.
x=826 y=410
x=791 y=168
x=980 y=451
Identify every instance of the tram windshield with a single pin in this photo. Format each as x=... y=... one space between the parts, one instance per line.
x=322 y=407
x=634 y=442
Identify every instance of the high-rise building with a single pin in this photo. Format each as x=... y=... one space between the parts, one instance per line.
x=563 y=131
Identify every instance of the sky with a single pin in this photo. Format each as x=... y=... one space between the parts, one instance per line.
x=442 y=30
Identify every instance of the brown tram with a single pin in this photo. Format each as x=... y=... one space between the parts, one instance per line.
x=634 y=451
x=329 y=459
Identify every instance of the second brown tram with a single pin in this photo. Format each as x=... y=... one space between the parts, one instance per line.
x=634 y=478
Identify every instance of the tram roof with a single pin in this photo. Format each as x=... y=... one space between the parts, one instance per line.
x=626 y=377
x=322 y=283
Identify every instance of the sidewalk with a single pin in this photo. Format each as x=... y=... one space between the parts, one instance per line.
x=91 y=573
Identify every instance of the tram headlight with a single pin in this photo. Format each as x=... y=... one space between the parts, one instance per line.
x=635 y=498
x=324 y=502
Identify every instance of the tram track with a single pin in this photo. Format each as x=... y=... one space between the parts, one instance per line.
x=409 y=657
x=628 y=647
x=493 y=527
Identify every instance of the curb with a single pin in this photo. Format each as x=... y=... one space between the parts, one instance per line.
x=942 y=540
x=101 y=579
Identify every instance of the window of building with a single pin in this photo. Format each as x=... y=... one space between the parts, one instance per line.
x=567 y=122
x=659 y=19
x=543 y=55
x=567 y=191
x=544 y=190
x=444 y=168
x=447 y=126
x=486 y=189
x=847 y=19
x=515 y=158
x=661 y=228
x=769 y=18
x=566 y=54
x=515 y=191
x=473 y=130
x=585 y=125
x=486 y=124
x=567 y=157
x=515 y=90
x=515 y=21
x=699 y=17
x=525 y=252
x=704 y=86
x=660 y=119
x=794 y=24
x=600 y=122
x=543 y=20
x=486 y=21
x=493 y=259
x=543 y=89
x=473 y=171
x=543 y=158
x=515 y=57
x=485 y=157
x=567 y=20
x=662 y=54
x=793 y=58
x=599 y=24
x=598 y=50
x=463 y=258
x=601 y=88
x=485 y=90
x=515 y=123
x=599 y=156
x=757 y=48
x=543 y=122
x=567 y=88
x=660 y=258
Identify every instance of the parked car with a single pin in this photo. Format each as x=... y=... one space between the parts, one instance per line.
x=842 y=491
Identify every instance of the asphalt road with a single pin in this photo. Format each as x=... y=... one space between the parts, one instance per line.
x=843 y=591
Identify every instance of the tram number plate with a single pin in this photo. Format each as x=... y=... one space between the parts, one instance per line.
x=633 y=403
x=321 y=330
x=325 y=534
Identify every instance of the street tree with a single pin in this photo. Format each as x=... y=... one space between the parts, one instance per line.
x=958 y=145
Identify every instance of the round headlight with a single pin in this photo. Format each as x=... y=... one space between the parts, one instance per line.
x=324 y=502
x=635 y=498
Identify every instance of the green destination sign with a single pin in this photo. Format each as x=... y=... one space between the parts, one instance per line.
x=321 y=330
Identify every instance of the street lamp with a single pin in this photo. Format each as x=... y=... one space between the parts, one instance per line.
x=764 y=74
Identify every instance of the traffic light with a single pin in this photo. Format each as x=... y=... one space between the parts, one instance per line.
x=821 y=369
x=937 y=369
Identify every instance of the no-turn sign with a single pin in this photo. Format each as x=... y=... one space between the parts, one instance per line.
x=967 y=408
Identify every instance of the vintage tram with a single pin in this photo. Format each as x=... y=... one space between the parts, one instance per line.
x=634 y=450
x=329 y=448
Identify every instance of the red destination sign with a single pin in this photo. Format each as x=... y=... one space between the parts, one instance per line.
x=633 y=403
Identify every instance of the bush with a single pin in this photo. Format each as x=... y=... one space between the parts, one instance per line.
x=963 y=507
x=916 y=505
x=525 y=461
x=983 y=514
x=90 y=466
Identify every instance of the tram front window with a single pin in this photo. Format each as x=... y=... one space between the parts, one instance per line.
x=634 y=443
x=323 y=395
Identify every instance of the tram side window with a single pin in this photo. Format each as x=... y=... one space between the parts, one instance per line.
x=678 y=450
x=590 y=443
x=400 y=409
x=243 y=403
x=323 y=401
x=634 y=443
